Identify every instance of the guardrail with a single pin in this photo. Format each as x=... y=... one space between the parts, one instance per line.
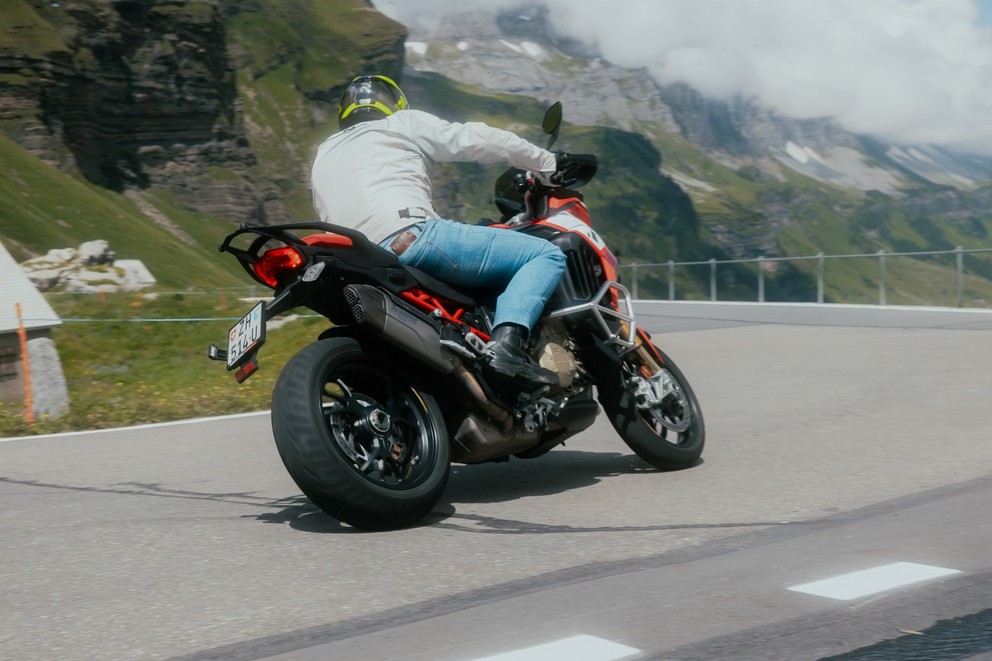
x=635 y=270
x=632 y=272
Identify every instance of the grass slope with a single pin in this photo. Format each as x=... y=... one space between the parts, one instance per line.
x=293 y=57
x=122 y=367
x=42 y=208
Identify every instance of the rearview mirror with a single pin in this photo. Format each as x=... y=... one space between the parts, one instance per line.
x=552 y=122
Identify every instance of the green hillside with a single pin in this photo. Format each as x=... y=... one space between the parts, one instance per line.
x=293 y=60
x=42 y=208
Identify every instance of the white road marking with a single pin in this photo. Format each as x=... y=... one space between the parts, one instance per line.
x=870 y=581
x=153 y=425
x=576 y=648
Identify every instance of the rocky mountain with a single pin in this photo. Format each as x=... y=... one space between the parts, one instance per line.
x=518 y=52
x=761 y=183
x=131 y=94
x=145 y=94
x=186 y=115
x=163 y=121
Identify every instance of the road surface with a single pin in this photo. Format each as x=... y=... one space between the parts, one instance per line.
x=840 y=441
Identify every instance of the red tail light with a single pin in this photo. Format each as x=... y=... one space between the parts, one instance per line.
x=276 y=262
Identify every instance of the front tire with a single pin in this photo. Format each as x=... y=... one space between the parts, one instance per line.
x=658 y=417
x=363 y=443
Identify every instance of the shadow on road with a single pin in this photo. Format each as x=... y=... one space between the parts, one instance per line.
x=555 y=473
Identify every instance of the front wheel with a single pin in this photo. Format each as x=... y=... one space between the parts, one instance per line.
x=358 y=438
x=657 y=416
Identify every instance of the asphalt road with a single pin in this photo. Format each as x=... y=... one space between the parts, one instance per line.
x=839 y=440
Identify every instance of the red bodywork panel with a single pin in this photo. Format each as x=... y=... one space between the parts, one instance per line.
x=328 y=239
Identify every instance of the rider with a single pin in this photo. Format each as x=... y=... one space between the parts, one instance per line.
x=373 y=175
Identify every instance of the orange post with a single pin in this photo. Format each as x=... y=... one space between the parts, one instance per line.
x=22 y=335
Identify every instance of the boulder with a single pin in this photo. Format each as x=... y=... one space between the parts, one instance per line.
x=96 y=252
x=90 y=268
x=135 y=274
x=50 y=392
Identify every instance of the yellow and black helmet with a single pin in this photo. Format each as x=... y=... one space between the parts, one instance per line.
x=369 y=97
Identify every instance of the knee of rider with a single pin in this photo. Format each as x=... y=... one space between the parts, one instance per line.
x=556 y=256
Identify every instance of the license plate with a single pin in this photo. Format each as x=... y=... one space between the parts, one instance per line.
x=246 y=336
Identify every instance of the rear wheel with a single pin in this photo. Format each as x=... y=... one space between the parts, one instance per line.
x=657 y=415
x=360 y=441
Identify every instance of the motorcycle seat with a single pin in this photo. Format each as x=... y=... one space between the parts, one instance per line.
x=375 y=255
x=440 y=288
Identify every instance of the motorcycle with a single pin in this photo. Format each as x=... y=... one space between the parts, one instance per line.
x=368 y=418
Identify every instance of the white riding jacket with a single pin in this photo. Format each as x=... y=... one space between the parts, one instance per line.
x=375 y=176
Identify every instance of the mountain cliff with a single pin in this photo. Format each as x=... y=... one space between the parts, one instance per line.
x=131 y=94
x=151 y=94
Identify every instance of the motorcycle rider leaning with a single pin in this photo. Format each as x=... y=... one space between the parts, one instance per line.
x=373 y=175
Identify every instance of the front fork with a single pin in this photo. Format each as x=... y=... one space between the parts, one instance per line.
x=654 y=389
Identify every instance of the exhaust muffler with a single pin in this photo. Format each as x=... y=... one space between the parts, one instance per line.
x=376 y=311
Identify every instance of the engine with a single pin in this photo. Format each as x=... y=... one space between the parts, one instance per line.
x=552 y=338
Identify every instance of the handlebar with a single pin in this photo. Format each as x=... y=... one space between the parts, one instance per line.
x=574 y=170
x=519 y=191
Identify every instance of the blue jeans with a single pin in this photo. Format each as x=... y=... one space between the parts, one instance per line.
x=525 y=267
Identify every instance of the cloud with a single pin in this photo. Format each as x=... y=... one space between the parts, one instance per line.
x=909 y=71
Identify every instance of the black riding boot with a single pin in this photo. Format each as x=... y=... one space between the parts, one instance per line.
x=510 y=363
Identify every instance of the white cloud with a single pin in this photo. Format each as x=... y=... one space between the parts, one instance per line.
x=911 y=71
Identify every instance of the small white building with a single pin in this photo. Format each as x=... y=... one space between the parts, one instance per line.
x=50 y=395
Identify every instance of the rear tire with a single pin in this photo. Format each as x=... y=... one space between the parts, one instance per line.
x=360 y=441
x=662 y=424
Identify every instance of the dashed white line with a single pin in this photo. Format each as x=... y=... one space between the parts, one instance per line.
x=870 y=581
x=576 y=648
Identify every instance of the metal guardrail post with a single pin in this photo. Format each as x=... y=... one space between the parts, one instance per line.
x=633 y=288
x=820 y=258
x=959 y=275
x=712 y=278
x=819 y=277
x=881 y=277
x=761 y=279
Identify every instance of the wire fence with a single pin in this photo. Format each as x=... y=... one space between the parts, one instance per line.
x=223 y=299
x=671 y=270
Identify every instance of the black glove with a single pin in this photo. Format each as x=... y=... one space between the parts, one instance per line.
x=562 y=161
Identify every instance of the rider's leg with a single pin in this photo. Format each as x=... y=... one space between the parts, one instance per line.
x=527 y=268
x=509 y=362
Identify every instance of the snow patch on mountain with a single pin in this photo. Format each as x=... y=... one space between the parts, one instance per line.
x=796 y=152
x=686 y=181
x=525 y=48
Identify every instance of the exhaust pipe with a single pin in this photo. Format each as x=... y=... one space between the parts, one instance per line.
x=376 y=311
x=495 y=411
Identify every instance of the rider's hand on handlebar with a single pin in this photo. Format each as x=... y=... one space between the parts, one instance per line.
x=554 y=179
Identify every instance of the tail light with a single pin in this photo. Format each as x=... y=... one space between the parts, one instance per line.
x=276 y=262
